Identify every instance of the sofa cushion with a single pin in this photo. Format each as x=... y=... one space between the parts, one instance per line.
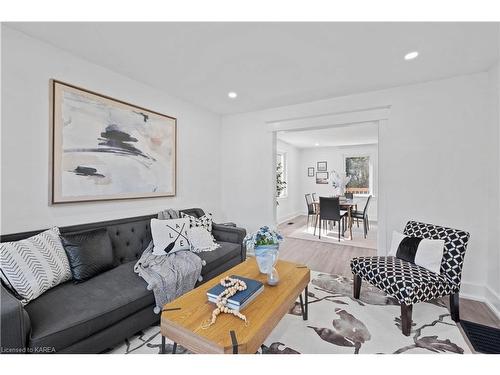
x=217 y=257
x=89 y=253
x=71 y=312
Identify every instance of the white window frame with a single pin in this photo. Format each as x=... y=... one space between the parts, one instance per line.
x=284 y=161
x=370 y=169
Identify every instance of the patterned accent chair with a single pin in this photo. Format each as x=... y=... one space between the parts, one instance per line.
x=409 y=283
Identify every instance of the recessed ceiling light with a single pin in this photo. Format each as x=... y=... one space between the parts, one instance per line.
x=411 y=55
x=232 y=94
x=316 y=144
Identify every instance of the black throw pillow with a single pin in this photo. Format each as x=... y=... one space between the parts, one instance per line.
x=89 y=253
x=407 y=249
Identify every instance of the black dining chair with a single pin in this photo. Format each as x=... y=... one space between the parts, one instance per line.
x=349 y=195
x=315 y=198
x=311 y=209
x=329 y=210
x=363 y=215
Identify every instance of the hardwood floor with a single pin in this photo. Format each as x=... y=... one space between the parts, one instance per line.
x=335 y=259
x=319 y=256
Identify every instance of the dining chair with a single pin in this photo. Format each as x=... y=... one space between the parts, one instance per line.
x=315 y=197
x=362 y=215
x=349 y=195
x=329 y=210
x=311 y=209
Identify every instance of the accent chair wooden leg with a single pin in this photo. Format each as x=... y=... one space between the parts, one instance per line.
x=406 y=311
x=454 y=307
x=357 y=286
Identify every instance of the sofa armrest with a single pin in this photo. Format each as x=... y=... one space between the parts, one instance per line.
x=15 y=324
x=231 y=234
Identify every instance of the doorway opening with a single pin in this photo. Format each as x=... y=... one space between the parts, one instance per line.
x=338 y=162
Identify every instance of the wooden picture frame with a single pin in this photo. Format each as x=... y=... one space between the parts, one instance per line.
x=322 y=166
x=109 y=149
x=310 y=172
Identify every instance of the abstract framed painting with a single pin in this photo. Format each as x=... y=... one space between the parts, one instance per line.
x=104 y=148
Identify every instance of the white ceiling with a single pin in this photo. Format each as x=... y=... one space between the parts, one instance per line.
x=275 y=64
x=350 y=135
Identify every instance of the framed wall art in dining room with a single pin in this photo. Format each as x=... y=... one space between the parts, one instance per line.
x=104 y=148
x=321 y=166
x=322 y=178
x=310 y=172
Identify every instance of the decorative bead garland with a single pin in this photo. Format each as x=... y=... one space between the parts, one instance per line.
x=232 y=286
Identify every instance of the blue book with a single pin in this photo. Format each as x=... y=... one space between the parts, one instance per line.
x=254 y=287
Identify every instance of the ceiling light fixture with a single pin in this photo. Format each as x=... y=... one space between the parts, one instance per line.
x=316 y=144
x=232 y=94
x=411 y=55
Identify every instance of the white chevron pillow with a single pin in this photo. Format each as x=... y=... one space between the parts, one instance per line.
x=32 y=266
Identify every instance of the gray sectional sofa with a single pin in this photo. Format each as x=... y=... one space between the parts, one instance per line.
x=99 y=313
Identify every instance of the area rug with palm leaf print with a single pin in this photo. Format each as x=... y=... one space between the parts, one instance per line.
x=339 y=324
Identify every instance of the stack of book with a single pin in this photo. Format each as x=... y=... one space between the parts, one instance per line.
x=242 y=298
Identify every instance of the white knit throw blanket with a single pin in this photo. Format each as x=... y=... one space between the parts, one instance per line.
x=168 y=276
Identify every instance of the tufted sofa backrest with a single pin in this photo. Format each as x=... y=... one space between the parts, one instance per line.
x=129 y=240
x=129 y=236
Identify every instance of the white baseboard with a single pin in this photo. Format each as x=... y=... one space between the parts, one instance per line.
x=289 y=217
x=481 y=293
x=493 y=301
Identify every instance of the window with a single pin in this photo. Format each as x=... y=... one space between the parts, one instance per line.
x=281 y=175
x=359 y=169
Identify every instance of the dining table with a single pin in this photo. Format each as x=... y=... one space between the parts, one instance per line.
x=345 y=205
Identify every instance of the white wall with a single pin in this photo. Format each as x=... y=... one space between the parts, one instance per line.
x=27 y=66
x=493 y=265
x=494 y=281
x=289 y=205
x=334 y=156
x=434 y=156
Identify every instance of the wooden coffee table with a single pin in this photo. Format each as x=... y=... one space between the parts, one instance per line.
x=182 y=318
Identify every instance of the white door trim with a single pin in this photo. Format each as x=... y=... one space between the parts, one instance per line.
x=379 y=115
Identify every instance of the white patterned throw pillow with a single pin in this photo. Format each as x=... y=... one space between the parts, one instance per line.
x=423 y=252
x=32 y=266
x=169 y=236
x=201 y=240
x=205 y=221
